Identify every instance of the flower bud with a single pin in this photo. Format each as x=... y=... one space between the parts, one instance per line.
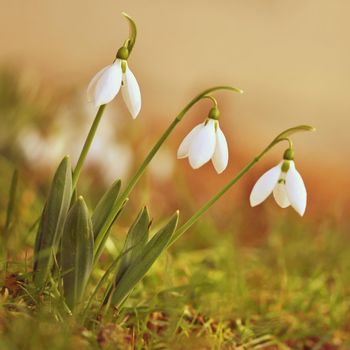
x=123 y=53
x=214 y=113
x=288 y=154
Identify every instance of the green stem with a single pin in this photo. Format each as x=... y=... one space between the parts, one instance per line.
x=152 y=153
x=87 y=145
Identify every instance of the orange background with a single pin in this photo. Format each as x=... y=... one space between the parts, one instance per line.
x=292 y=59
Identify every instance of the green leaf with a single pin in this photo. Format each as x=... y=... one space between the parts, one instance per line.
x=51 y=222
x=76 y=253
x=103 y=236
x=136 y=271
x=134 y=244
x=104 y=208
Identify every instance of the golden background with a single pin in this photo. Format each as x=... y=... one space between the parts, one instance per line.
x=292 y=59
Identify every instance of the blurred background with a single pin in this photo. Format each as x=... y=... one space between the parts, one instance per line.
x=290 y=57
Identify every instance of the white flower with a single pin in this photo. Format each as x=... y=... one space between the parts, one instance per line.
x=287 y=186
x=205 y=142
x=106 y=84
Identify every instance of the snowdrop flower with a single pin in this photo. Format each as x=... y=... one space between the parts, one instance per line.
x=106 y=84
x=286 y=184
x=206 y=142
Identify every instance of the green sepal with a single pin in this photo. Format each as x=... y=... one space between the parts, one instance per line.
x=51 y=222
x=104 y=207
x=77 y=249
x=136 y=271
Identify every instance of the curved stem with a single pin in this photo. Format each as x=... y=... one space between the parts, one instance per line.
x=87 y=145
x=133 y=181
x=290 y=142
x=166 y=134
x=213 y=99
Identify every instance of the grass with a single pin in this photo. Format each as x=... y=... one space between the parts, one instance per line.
x=291 y=291
x=214 y=289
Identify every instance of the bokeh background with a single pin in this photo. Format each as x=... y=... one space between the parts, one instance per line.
x=257 y=273
x=290 y=57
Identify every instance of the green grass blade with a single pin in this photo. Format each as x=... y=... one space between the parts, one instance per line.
x=51 y=222
x=76 y=253
x=136 y=271
x=104 y=208
x=11 y=205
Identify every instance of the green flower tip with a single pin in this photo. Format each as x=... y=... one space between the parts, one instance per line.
x=123 y=53
x=214 y=113
x=126 y=16
x=288 y=154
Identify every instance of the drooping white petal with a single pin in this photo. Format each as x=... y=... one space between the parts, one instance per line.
x=296 y=190
x=265 y=185
x=92 y=85
x=108 y=84
x=202 y=146
x=220 y=157
x=184 y=147
x=280 y=195
x=131 y=93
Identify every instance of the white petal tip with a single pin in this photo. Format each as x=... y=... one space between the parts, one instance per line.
x=220 y=171
x=181 y=155
x=195 y=164
x=253 y=203
x=301 y=212
x=134 y=116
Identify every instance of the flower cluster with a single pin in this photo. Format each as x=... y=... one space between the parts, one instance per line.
x=205 y=141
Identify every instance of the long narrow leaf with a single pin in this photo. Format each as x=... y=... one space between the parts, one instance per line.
x=135 y=242
x=136 y=271
x=104 y=207
x=51 y=222
x=136 y=239
x=99 y=246
x=76 y=253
